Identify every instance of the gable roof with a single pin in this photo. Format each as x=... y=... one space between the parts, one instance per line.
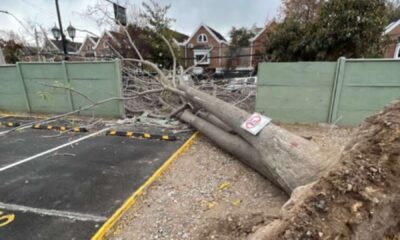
x=94 y=39
x=391 y=26
x=213 y=33
x=90 y=38
x=179 y=37
x=217 y=34
x=258 y=34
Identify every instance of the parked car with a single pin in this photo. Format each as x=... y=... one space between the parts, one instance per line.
x=197 y=71
x=198 y=74
x=239 y=83
x=219 y=73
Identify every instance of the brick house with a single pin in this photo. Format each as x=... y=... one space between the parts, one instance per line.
x=257 y=46
x=393 y=49
x=205 y=43
x=87 y=47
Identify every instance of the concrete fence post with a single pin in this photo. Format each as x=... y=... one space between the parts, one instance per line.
x=337 y=90
x=66 y=80
x=22 y=80
x=118 y=79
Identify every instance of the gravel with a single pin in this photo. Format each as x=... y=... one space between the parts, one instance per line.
x=208 y=194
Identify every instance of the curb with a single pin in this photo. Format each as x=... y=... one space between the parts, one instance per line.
x=132 y=199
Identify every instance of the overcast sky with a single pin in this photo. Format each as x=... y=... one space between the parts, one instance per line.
x=189 y=14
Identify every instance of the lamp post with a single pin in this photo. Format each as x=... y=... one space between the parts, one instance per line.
x=57 y=32
x=64 y=42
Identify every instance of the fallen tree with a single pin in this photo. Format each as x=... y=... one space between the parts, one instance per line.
x=284 y=158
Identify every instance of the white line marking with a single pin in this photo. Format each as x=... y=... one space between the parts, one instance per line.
x=53 y=213
x=52 y=150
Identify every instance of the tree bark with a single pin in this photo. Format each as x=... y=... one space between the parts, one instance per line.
x=285 y=158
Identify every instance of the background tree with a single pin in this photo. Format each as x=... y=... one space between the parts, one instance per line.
x=157 y=15
x=240 y=38
x=302 y=10
x=328 y=30
x=158 y=21
x=351 y=28
x=11 y=50
x=145 y=26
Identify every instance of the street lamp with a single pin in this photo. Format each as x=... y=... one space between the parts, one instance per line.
x=64 y=42
x=71 y=31
x=56 y=32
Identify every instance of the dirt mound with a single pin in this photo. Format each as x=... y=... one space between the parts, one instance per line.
x=233 y=226
x=359 y=199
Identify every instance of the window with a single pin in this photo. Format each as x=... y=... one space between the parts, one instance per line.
x=200 y=55
x=88 y=47
x=202 y=38
x=105 y=45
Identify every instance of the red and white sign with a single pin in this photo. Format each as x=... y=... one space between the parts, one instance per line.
x=255 y=123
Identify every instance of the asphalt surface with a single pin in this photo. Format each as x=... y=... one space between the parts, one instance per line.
x=70 y=193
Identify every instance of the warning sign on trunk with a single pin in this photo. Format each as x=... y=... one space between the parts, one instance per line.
x=255 y=123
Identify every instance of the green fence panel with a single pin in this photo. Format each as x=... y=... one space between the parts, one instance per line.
x=12 y=94
x=43 y=98
x=368 y=85
x=100 y=81
x=295 y=92
x=29 y=87
x=343 y=93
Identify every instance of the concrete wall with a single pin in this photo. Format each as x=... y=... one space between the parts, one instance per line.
x=343 y=92
x=24 y=87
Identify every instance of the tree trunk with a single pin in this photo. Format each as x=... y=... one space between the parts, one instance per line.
x=284 y=158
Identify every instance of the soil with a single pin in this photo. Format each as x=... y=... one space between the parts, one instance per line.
x=359 y=198
x=208 y=194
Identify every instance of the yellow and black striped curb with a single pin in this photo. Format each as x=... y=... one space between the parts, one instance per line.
x=9 y=124
x=165 y=137
x=59 y=128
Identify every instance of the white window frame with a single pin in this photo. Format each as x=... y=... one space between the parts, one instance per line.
x=202 y=52
x=202 y=38
x=397 y=51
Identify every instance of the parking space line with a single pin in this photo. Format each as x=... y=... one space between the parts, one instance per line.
x=133 y=198
x=53 y=213
x=52 y=150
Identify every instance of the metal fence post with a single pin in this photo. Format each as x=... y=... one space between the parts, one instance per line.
x=337 y=90
x=66 y=79
x=21 y=78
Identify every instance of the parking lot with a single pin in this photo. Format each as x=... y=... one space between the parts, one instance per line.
x=65 y=186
